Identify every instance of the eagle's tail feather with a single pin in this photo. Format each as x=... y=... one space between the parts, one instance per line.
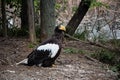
x=25 y=61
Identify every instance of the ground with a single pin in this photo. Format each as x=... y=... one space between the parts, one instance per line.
x=68 y=66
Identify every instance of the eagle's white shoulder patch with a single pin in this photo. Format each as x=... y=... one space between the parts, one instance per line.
x=51 y=47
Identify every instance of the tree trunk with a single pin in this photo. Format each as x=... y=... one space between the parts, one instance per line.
x=78 y=16
x=23 y=14
x=0 y=10
x=31 y=25
x=4 y=25
x=47 y=8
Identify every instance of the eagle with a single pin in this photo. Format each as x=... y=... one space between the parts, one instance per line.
x=48 y=51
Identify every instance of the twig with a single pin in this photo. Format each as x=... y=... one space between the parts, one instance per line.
x=3 y=61
x=90 y=58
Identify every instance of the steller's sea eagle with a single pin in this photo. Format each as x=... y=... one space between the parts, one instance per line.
x=48 y=51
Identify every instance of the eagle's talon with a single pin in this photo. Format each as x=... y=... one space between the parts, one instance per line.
x=53 y=65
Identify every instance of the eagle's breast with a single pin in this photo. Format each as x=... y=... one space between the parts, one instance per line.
x=53 y=48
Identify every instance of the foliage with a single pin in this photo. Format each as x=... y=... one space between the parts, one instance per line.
x=115 y=42
x=74 y=50
x=80 y=35
x=61 y=6
x=17 y=32
x=13 y=2
x=37 y=30
x=108 y=57
x=104 y=56
x=65 y=1
x=96 y=3
x=74 y=9
x=36 y=5
x=70 y=50
x=115 y=68
x=31 y=45
x=57 y=6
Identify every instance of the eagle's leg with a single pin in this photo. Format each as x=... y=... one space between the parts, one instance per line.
x=48 y=63
x=53 y=65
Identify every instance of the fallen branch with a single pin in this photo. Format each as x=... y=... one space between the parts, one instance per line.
x=73 y=38
x=113 y=49
x=91 y=59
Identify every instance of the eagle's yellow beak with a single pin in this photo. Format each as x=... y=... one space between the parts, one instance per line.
x=62 y=28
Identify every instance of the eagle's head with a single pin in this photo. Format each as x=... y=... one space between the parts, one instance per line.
x=60 y=29
x=59 y=33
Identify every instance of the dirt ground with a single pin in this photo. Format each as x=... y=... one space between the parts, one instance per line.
x=67 y=67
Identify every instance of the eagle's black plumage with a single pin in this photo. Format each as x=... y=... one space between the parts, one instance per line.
x=46 y=54
x=42 y=56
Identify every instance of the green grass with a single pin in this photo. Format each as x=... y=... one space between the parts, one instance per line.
x=74 y=51
x=104 y=56
x=80 y=36
x=31 y=45
x=108 y=57
x=57 y=6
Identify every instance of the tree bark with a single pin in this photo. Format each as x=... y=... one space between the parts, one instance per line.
x=47 y=8
x=4 y=25
x=31 y=25
x=0 y=10
x=78 y=16
x=23 y=14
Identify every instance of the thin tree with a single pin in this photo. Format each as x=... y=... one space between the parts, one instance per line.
x=78 y=16
x=23 y=14
x=31 y=24
x=0 y=10
x=4 y=25
x=47 y=8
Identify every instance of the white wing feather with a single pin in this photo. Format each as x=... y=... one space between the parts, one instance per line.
x=51 y=47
